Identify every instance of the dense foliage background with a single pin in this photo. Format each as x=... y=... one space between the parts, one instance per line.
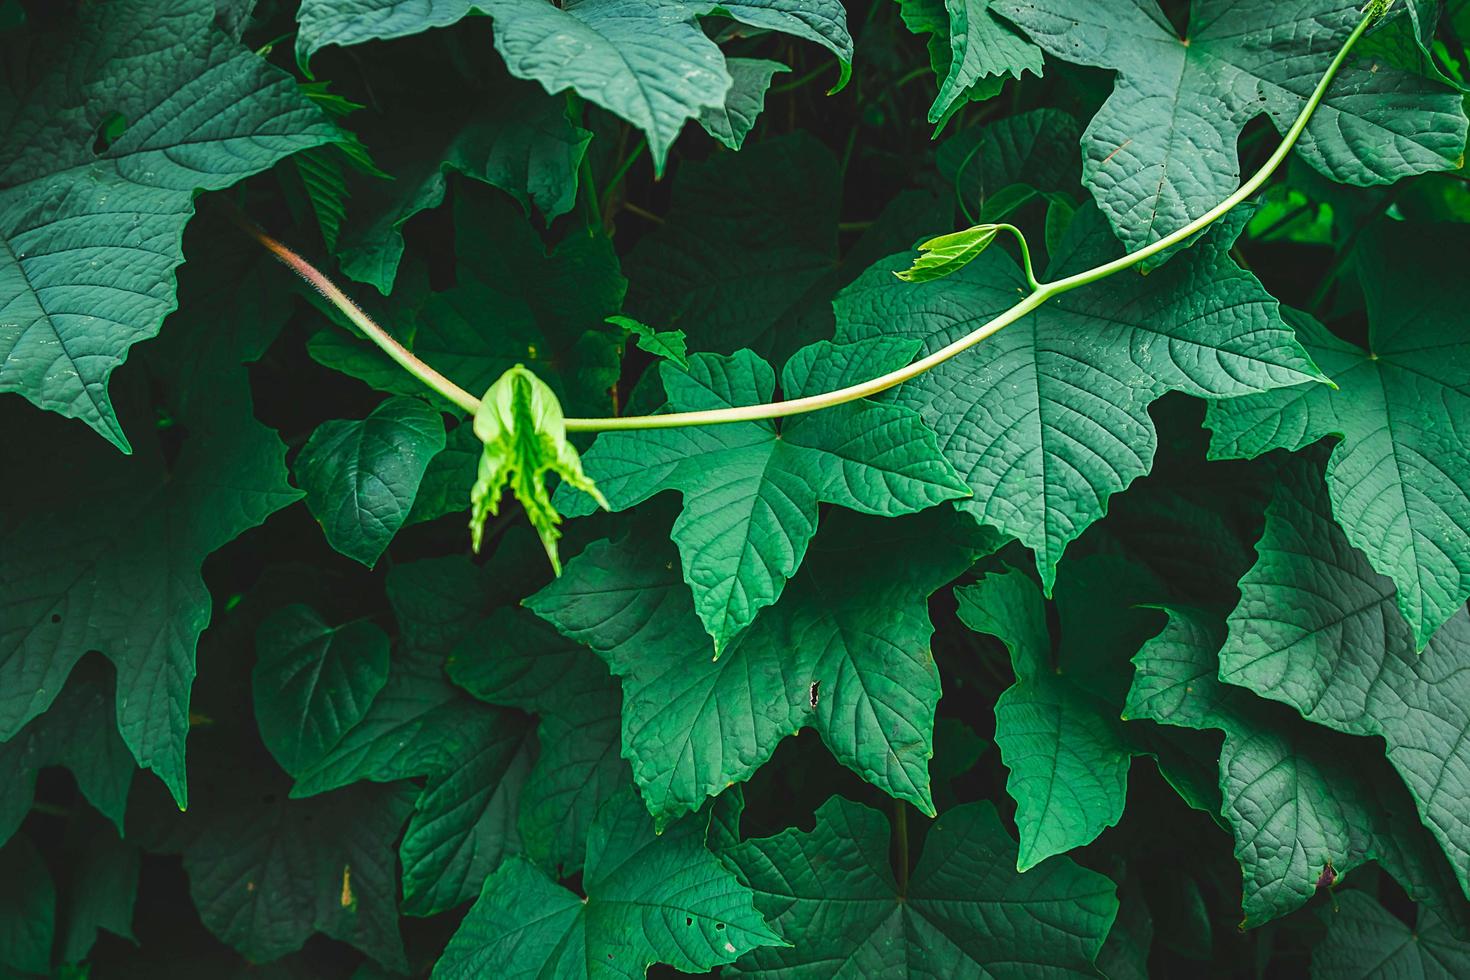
x=1186 y=553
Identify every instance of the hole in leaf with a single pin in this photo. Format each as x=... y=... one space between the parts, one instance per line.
x=56 y=617
x=112 y=126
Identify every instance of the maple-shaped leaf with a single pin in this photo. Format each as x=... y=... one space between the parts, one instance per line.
x=1162 y=149
x=751 y=489
x=525 y=435
x=104 y=552
x=1304 y=804
x=1318 y=629
x=1058 y=726
x=846 y=651
x=1400 y=475
x=832 y=893
x=650 y=898
x=93 y=230
x=1364 y=939
x=1049 y=418
x=512 y=658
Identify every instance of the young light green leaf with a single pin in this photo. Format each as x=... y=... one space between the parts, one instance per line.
x=833 y=894
x=1049 y=418
x=733 y=121
x=751 y=489
x=1318 y=629
x=312 y=682
x=85 y=276
x=948 y=254
x=670 y=344
x=361 y=477
x=861 y=674
x=1400 y=476
x=1162 y=150
x=525 y=437
x=650 y=899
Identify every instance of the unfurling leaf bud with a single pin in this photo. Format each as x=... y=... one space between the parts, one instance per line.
x=949 y=253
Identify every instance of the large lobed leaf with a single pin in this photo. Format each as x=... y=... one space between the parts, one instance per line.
x=92 y=238
x=1399 y=477
x=965 y=912
x=1161 y=151
x=1049 y=418
x=846 y=651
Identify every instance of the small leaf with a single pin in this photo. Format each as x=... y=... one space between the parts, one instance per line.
x=670 y=344
x=525 y=436
x=949 y=253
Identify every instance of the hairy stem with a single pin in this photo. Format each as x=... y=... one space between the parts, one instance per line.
x=1040 y=293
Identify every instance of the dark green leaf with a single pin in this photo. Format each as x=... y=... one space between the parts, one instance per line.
x=832 y=894
x=361 y=477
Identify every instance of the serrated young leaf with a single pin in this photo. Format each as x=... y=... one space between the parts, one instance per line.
x=1049 y=418
x=514 y=138
x=360 y=477
x=1161 y=151
x=669 y=344
x=514 y=659
x=1400 y=476
x=1305 y=805
x=832 y=894
x=312 y=682
x=1366 y=940
x=846 y=652
x=521 y=424
x=78 y=731
x=27 y=909
x=731 y=122
x=947 y=254
x=1318 y=629
x=747 y=236
x=647 y=61
x=751 y=489
x=92 y=238
x=266 y=871
x=650 y=899
x=1058 y=726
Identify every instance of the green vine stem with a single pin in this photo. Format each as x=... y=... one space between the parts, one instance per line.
x=1040 y=293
